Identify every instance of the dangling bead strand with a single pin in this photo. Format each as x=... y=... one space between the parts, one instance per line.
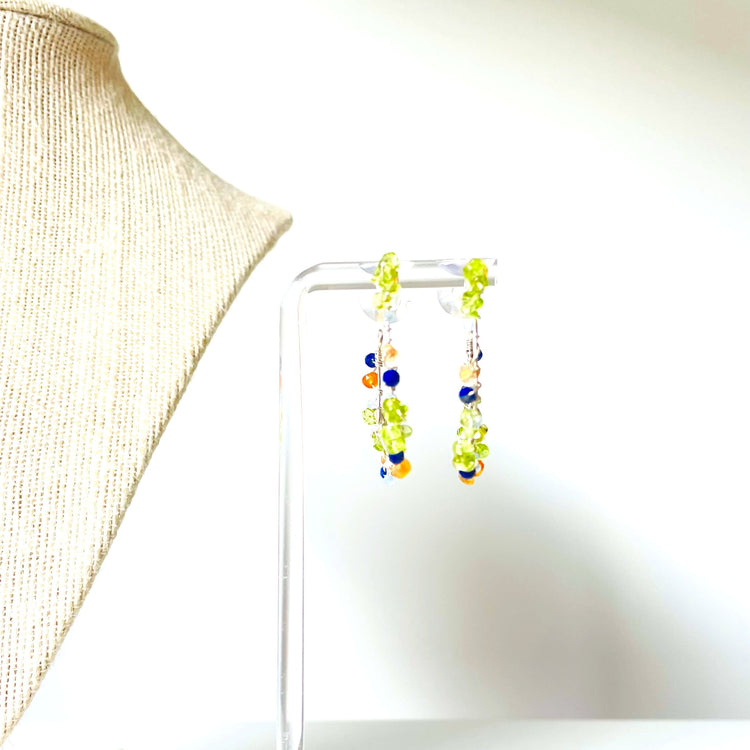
x=470 y=450
x=388 y=416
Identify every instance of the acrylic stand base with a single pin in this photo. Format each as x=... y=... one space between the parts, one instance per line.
x=325 y=277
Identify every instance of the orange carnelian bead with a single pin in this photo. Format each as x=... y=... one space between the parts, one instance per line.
x=370 y=380
x=389 y=354
x=467 y=481
x=401 y=470
x=480 y=469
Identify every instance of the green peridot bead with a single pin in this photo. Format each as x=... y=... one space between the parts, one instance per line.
x=471 y=418
x=394 y=411
x=471 y=295
x=465 y=462
x=463 y=448
x=466 y=434
x=386 y=273
x=394 y=446
x=377 y=443
x=481 y=432
x=475 y=269
x=470 y=303
x=394 y=437
x=482 y=450
x=369 y=416
x=392 y=432
x=388 y=280
x=389 y=260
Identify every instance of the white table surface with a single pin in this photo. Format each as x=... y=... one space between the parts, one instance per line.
x=400 y=735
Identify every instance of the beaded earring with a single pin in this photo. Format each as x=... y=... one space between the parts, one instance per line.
x=470 y=450
x=386 y=413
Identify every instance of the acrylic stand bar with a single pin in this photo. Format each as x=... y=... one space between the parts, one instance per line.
x=430 y=274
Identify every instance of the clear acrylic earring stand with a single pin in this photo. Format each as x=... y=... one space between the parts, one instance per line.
x=427 y=274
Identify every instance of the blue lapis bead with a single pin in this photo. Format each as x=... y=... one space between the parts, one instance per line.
x=370 y=359
x=383 y=472
x=467 y=394
x=391 y=378
x=480 y=355
x=467 y=474
x=396 y=458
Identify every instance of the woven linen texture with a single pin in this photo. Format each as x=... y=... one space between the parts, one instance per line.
x=119 y=255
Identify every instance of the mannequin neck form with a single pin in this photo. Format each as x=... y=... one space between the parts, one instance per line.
x=45 y=48
x=41 y=9
x=120 y=253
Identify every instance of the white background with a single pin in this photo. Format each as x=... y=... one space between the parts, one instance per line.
x=600 y=151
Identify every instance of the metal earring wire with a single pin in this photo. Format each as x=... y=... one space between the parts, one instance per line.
x=386 y=413
x=469 y=450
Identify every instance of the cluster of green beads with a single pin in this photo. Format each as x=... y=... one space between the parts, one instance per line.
x=386 y=279
x=394 y=432
x=391 y=436
x=475 y=273
x=469 y=450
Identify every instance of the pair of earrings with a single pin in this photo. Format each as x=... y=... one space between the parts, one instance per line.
x=387 y=413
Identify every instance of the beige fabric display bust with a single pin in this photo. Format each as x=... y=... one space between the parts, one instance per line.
x=119 y=255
